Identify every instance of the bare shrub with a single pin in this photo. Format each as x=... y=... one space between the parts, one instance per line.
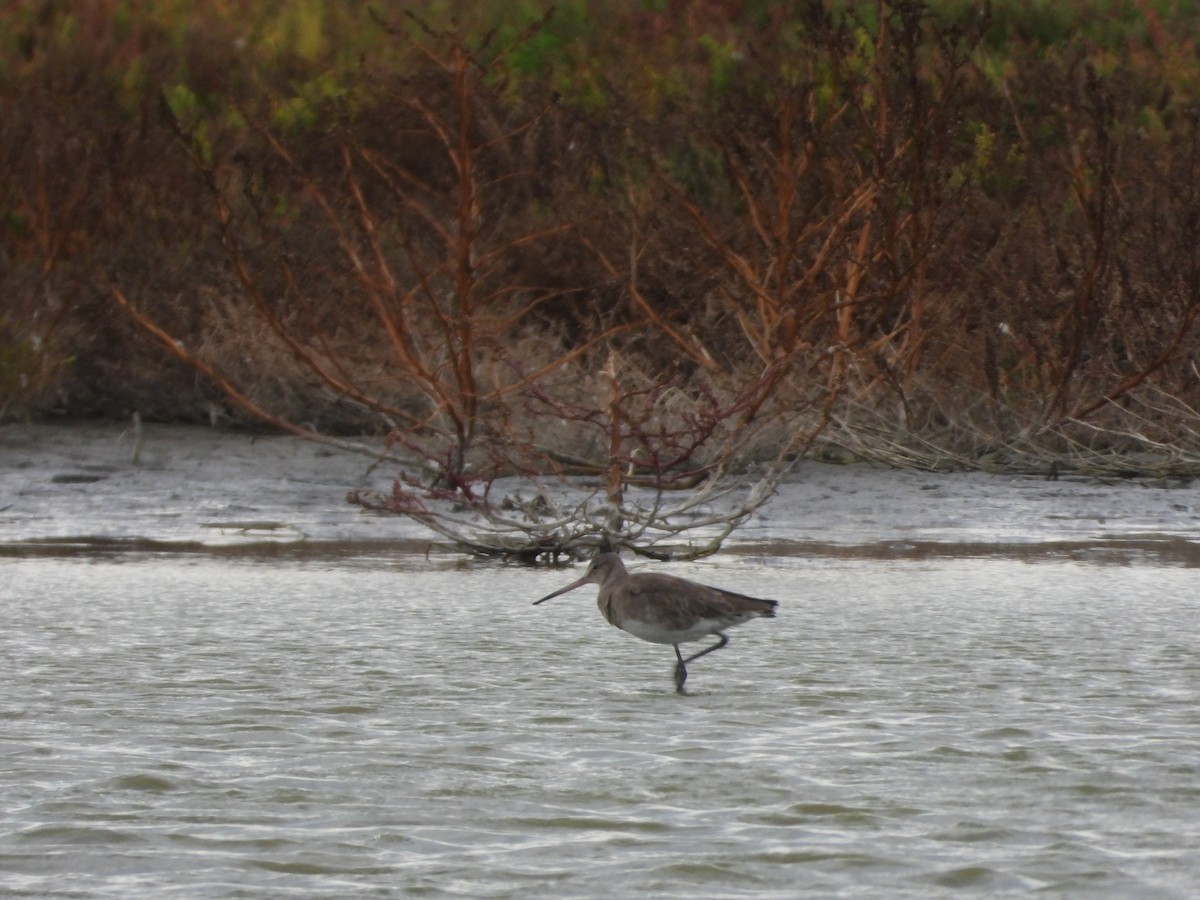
x=621 y=250
x=429 y=227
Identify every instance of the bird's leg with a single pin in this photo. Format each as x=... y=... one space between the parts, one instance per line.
x=681 y=666
x=717 y=646
x=680 y=671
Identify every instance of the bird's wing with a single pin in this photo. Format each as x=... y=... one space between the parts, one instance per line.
x=674 y=598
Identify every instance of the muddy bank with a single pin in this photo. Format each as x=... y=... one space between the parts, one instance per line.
x=76 y=488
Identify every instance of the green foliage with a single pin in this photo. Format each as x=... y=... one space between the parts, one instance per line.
x=26 y=368
x=16 y=224
x=189 y=112
x=18 y=362
x=537 y=55
x=722 y=59
x=304 y=109
x=297 y=29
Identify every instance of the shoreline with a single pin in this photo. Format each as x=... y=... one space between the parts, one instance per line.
x=72 y=488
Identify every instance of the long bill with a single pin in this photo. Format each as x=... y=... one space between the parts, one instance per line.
x=570 y=587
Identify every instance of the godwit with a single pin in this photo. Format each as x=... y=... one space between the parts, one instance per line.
x=664 y=609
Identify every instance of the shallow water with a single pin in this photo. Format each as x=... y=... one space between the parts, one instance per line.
x=218 y=679
x=193 y=726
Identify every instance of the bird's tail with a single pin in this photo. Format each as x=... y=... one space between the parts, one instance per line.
x=763 y=608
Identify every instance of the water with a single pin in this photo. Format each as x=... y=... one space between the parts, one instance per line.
x=193 y=725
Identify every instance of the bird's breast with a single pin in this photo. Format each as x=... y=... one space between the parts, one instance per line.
x=658 y=632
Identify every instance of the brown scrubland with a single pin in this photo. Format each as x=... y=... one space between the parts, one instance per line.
x=649 y=243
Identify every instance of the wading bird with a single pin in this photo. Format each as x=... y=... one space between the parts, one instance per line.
x=664 y=609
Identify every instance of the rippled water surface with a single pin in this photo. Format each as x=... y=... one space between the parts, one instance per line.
x=192 y=726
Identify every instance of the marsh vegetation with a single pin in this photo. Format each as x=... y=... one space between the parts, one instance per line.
x=652 y=246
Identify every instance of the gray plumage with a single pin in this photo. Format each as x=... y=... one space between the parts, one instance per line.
x=664 y=609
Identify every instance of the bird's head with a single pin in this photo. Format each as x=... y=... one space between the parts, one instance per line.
x=598 y=571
